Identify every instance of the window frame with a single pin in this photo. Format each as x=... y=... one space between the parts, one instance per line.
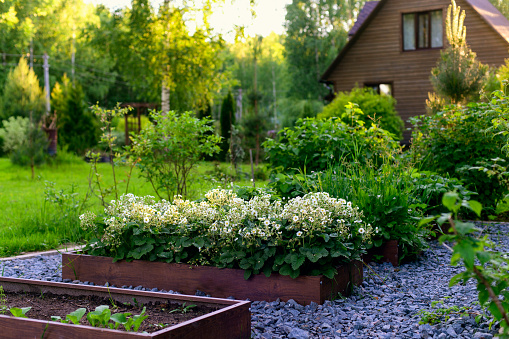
x=372 y=84
x=416 y=29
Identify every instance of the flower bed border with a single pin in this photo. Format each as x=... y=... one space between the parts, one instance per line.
x=218 y=282
x=232 y=321
x=388 y=252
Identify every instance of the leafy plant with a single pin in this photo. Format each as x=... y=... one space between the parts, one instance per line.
x=19 y=312
x=73 y=317
x=108 y=140
x=170 y=151
x=102 y=317
x=442 y=314
x=313 y=143
x=489 y=268
x=306 y=235
x=458 y=140
x=377 y=108
x=183 y=308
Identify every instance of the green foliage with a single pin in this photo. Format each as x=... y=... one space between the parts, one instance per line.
x=227 y=119
x=102 y=317
x=259 y=235
x=73 y=317
x=316 y=32
x=458 y=76
x=108 y=141
x=376 y=108
x=3 y=301
x=456 y=142
x=313 y=143
x=386 y=195
x=76 y=125
x=14 y=133
x=442 y=314
x=19 y=312
x=488 y=267
x=183 y=308
x=22 y=95
x=169 y=151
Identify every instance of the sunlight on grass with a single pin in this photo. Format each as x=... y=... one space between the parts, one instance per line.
x=30 y=223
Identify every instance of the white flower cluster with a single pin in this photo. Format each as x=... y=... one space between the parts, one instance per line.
x=225 y=217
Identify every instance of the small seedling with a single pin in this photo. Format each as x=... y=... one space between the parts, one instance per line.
x=73 y=317
x=183 y=308
x=19 y=312
x=439 y=314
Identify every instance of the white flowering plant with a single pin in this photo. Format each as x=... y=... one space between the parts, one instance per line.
x=307 y=235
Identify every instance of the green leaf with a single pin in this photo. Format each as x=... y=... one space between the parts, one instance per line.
x=138 y=319
x=76 y=316
x=466 y=251
x=464 y=228
x=427 y=220
x=330 y=272
x=286 y=270
x=475 y=206
x=295 y=259
x=56 y=318
x=247 y=274
x=19 y=312
x=138 y=252
x=449 y=200
x=119 y=318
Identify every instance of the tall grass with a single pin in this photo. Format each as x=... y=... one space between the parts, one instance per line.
x=43 y=213
x=385 y=195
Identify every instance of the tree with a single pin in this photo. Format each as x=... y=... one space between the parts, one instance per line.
x=76 y=125
x=22 y=95
x=458 y=76
x=316 y=31
x=227 y=119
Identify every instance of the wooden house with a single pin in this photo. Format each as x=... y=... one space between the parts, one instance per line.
x=395 y=43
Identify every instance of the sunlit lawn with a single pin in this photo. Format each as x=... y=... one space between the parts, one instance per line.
x=29 y=223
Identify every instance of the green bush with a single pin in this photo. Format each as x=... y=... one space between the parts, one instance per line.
x=169 y=150
x=303 y=236
x=313 y=143
x=457 y=142
x=378 y=108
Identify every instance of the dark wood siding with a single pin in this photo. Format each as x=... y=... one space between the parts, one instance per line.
x=377 y=55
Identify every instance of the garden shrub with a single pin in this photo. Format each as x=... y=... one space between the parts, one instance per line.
x=313 y=143
x=304 y=236
x=457 y=142
x=377 y=108
x=168 y=151
x=458 y=75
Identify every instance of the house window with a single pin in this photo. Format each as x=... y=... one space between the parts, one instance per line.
x=422 y=30
x=385 y=89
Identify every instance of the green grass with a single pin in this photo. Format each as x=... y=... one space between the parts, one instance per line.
x=30 y=223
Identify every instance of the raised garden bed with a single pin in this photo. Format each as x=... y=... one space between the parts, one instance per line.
x=218 y=282
x=216 y=318
x=388 y=252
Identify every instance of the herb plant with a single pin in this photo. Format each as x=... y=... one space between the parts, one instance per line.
x=3 y=301
x=19 y=312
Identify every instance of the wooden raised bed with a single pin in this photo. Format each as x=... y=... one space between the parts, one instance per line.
x=233 y=320
x=218 y=282
x=388 y=252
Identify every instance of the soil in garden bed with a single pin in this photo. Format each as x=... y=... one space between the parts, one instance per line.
x=160 y=314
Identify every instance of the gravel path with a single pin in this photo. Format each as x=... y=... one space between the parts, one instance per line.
x=385 y=306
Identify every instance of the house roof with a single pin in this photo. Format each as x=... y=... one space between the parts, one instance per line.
x=369 y=6
x=486 y=10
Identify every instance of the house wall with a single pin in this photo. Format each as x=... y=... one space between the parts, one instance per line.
x=377 y=56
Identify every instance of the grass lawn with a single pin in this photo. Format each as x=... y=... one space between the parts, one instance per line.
x=30 y=222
